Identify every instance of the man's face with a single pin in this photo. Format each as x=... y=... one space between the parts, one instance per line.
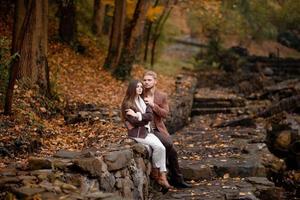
x=149 y=82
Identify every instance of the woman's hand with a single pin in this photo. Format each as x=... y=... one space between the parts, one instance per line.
x=131 y=113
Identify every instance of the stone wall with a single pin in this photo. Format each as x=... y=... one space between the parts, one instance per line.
x=120 y=173
x=181 y=102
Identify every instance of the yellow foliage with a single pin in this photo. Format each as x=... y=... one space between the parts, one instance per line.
x=154 y=12
x=108 y=2
x=130 y=7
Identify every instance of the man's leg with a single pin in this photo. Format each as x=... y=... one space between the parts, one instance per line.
x=172 y=157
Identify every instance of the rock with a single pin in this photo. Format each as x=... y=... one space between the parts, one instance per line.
x=8 y=172
x=91 y=165
x=272 y=193
x=49 y=196
x=268 y=71
x=69 y=187
x=61 y=164
x=242 y=167
x=124 y=173
x=84 y=114
x=140 y=182
x=39 y=163
x=140 y=149
x=50 y=187
x=8 y=180
x=118 y=159
x=72 y=154
x=196 y=171
x=129 y=141
x=42 y=174
x=260 y=181
x=140 y=164
x=101 y=195
x=88 y=185
x=27 y=192
x=119 y=183
x=118 y=174
x=127 y=188
x=28 y=180
x=107 y=182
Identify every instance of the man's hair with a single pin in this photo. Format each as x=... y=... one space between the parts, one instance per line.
x=150 y=73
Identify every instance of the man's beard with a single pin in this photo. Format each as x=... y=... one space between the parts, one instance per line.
x=148 y=88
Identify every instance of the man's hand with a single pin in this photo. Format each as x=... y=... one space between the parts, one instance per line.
x=149 y=101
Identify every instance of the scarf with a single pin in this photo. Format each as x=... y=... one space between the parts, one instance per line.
x=142 y=107
x=140 y=104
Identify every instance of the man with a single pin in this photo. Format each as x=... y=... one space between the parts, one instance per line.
x=159 y=104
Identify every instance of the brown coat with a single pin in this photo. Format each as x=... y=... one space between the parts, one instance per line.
x=136 y=128
x=160 y=111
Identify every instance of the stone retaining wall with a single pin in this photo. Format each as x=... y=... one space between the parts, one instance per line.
x=181 y=103
x=90 y=174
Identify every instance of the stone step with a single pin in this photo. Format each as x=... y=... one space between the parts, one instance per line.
x=252 y=188
x=210 y=101
x=221 y=94
x=204 y=111
x=216 y=104
x=219 y=167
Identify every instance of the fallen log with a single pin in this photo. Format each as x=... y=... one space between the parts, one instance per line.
x=242 y=121
x=287 y=104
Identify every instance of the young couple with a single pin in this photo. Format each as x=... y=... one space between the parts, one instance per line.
x=143 y=110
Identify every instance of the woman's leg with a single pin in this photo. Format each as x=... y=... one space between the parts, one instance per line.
x=158 y=157
x=159 y=151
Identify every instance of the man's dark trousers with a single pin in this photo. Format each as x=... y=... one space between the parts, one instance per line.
x=172 y=157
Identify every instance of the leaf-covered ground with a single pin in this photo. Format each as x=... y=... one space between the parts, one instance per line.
x=75 y=79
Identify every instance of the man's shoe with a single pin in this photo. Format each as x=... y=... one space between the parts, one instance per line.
x=181 y=184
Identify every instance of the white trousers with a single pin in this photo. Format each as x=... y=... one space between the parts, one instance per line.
x=159 y=151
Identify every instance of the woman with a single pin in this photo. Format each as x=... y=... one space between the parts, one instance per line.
x=137 y=117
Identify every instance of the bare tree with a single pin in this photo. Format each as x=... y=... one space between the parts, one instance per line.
x=98 y=17
x=132 y=40
x=159 y=27
x=116 y=35
x=148 y=36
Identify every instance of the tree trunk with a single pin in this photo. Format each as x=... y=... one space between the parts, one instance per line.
x=19 y=15
x=116 y=36
x=67 y=22
x=159 y=27
x=149 y=31
x=132 y=40
x=31 y=44
x=107 y=22
x=98 y=17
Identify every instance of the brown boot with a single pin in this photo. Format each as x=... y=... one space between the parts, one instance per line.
x=154 y=173
x=163 y=181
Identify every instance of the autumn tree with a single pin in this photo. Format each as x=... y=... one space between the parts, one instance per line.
x=148 y=33
x=98 y=17
x=116 y=36
x=30 y=42
x=159 y=27
x=132 y=40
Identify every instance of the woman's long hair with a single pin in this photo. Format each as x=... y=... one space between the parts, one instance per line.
x=128 y=101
